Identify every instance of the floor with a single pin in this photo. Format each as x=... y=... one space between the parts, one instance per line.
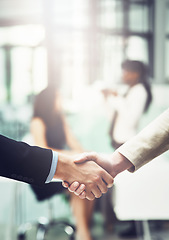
x=9 y=217
x=159 y=231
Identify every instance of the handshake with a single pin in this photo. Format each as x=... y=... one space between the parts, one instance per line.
x=89 y=175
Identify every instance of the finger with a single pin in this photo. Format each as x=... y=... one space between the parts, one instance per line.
x=102 y=186
x=80 y=189
x=73 y=186
x=82 y=195
x=81 y=158
x=90 y=196
x=65 y=184
x=96 y=192
x=92 y=156
x=108 y=179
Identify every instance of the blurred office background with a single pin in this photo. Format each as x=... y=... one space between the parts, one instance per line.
x=79 y=45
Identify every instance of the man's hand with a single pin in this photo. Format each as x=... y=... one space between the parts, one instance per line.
x=112 y=163
x=106 y=161
x=95 y=179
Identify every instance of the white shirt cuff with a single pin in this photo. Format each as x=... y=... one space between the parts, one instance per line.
x=53 y=167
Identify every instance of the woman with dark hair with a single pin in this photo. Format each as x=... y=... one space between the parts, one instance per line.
x=50 y=130
x=141 y=76
x=127 y=111
x=128 y=108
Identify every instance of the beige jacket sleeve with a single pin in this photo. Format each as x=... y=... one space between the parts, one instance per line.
x=152 y=141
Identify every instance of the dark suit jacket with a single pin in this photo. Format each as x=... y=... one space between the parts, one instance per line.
x=24 y=163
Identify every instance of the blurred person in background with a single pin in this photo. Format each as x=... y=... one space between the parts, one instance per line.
x=50 y=130
x=127 y=111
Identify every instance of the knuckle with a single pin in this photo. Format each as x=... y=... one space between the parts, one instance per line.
x=101 y=171
x=92 y=183
x=95 y=154
x=85 y=154
x=96 y=179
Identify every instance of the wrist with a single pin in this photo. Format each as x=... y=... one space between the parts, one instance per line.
x=61 y=166
x=119 y=163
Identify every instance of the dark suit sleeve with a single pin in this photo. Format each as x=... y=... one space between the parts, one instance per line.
x=24 y=163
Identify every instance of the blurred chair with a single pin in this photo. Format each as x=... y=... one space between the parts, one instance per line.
x=44 y=224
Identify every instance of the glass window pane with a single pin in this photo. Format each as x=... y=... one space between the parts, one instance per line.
x=20 y=88
x=167 y=19
x=74 y=62
x=167 y=60
x=29 y=67
x=111 y=59
x=29 y=35
x=110 y=14
x=3 y=37
x=2 y=76
x=81 y=11
x=73 y=13
x=38 y=81
x=29 y=73
x=138 y=18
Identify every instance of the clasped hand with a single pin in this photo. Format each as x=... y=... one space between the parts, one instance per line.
x=91 y=179
x=102 y=173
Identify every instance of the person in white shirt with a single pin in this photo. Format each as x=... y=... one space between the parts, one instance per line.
x=128 y=108
x=127 y=111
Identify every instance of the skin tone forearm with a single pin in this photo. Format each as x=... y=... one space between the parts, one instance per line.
x=119 y=163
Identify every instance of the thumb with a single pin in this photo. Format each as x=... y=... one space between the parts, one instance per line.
x=81 y=158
